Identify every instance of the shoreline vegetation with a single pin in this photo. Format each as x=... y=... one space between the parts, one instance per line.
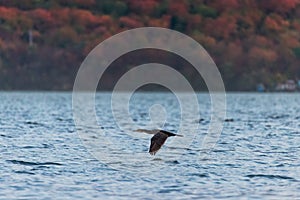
x=255 y=44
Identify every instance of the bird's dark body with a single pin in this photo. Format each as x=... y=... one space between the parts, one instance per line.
x=158 y=140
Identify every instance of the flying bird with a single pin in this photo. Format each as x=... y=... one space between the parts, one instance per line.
x=159 y=138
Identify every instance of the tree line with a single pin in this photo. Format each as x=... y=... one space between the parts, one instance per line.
x=251 y=41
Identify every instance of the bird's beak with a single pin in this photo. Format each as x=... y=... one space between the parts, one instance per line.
x=179 y=135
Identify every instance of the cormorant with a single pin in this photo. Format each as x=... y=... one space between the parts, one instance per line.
x=159 y=138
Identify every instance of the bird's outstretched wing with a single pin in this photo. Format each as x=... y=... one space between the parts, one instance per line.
x=157 y=141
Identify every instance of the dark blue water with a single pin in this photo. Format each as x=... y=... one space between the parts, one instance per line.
x=256 y=156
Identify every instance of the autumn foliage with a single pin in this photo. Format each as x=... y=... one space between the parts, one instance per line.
x=251 y=41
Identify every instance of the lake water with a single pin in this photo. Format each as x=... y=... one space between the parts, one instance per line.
x=257 y=155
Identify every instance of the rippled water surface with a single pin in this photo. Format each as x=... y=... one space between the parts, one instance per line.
x=42 y=157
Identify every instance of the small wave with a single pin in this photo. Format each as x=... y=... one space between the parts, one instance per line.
x=199 y=175
x=278 y=116
x=168 y=190
x=115 y=163
x=166 y=161
x=201 y=120
x=32 y=123
x=173 y=162
x=20 y=162
x=6 y=136
x=43 y=146
x=24 y=172
x=222 y=150
x=59 y=119
x=270 y=176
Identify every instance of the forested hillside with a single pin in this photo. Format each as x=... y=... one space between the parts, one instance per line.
x=251 y=41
